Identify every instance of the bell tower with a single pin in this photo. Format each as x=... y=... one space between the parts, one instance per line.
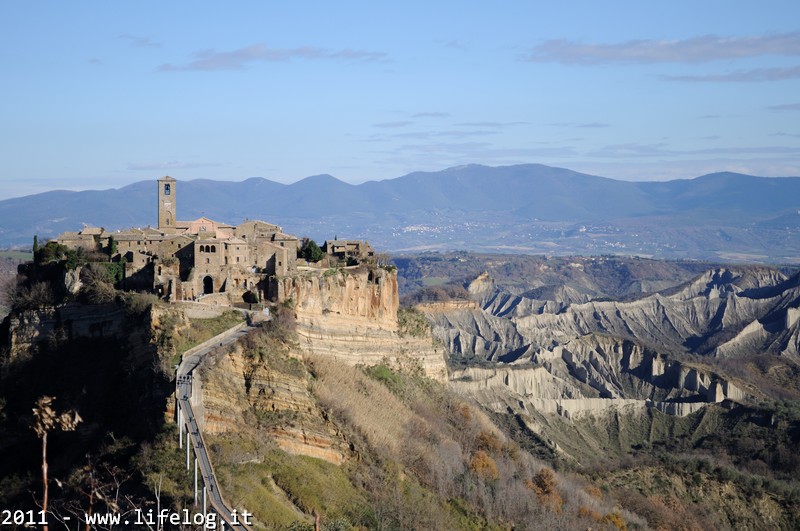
x=166 y=203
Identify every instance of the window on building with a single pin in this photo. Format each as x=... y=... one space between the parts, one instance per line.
x=213 y=248
x=167 y=189
x=237 y=259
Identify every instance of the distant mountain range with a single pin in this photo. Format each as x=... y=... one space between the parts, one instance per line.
x=525 y=208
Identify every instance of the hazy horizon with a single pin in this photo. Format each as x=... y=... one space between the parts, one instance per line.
x=100 y=95
x=288 y=183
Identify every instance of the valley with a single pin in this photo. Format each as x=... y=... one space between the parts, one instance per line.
x=522 y=209
x=445 y=390
x=630 y=368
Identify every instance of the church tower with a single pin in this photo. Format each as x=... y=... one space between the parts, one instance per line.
x=166 y=203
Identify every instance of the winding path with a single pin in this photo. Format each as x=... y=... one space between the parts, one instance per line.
x=185 y=413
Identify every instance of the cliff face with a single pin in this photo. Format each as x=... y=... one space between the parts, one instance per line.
x=240 y=392
x=348 y=315
x=351 y=315
x=31 y=327
x=100 y=360
x=355 y=296
x=571 y=357
x=593 y=375
x=32 y=330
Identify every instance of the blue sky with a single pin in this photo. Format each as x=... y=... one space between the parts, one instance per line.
x=101 y=94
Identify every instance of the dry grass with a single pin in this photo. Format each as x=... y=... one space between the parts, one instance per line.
x=369 y=407
x=204 y=329
x=451 y=449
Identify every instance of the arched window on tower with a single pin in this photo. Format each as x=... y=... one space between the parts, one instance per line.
x=167 y=189
x=213 y=248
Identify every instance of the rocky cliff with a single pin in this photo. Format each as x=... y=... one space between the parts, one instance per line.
x=350 y=314
x=29 y=328
x=241 y=393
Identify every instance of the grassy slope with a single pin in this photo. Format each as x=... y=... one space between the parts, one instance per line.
x=421 y=458
x=413 y=463
x=204 y=329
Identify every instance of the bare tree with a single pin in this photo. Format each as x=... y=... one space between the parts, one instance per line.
x=46 y=420
x=383 y=259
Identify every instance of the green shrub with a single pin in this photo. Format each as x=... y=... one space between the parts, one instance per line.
x=386 y=376
x=412 y=323
x=312 y=252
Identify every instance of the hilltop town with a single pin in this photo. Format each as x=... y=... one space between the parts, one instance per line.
x=189 y=260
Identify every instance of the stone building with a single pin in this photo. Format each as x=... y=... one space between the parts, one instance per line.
x=343 y=250
x=186 y=260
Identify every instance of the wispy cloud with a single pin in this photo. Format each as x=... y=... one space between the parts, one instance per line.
x=210 y=60
x=490 y=124
x=447 y=154
x=786 y=107
x=169 y=165
x=661 y=150
x=701 y=49
x=431 y=115
x=483 y=149
x=455 y=44
x=742 y=76
x=390 y=125
x=142 y=42
x=581 y=125
x=443 y=134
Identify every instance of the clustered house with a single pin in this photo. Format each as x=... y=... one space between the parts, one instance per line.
x=187 y=260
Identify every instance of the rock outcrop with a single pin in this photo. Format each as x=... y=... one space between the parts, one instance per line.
x=350 y=314
x=240 y=393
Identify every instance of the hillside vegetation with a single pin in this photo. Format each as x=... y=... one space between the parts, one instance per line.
x=420 y=458
x=515 y=440
x=581 y=358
